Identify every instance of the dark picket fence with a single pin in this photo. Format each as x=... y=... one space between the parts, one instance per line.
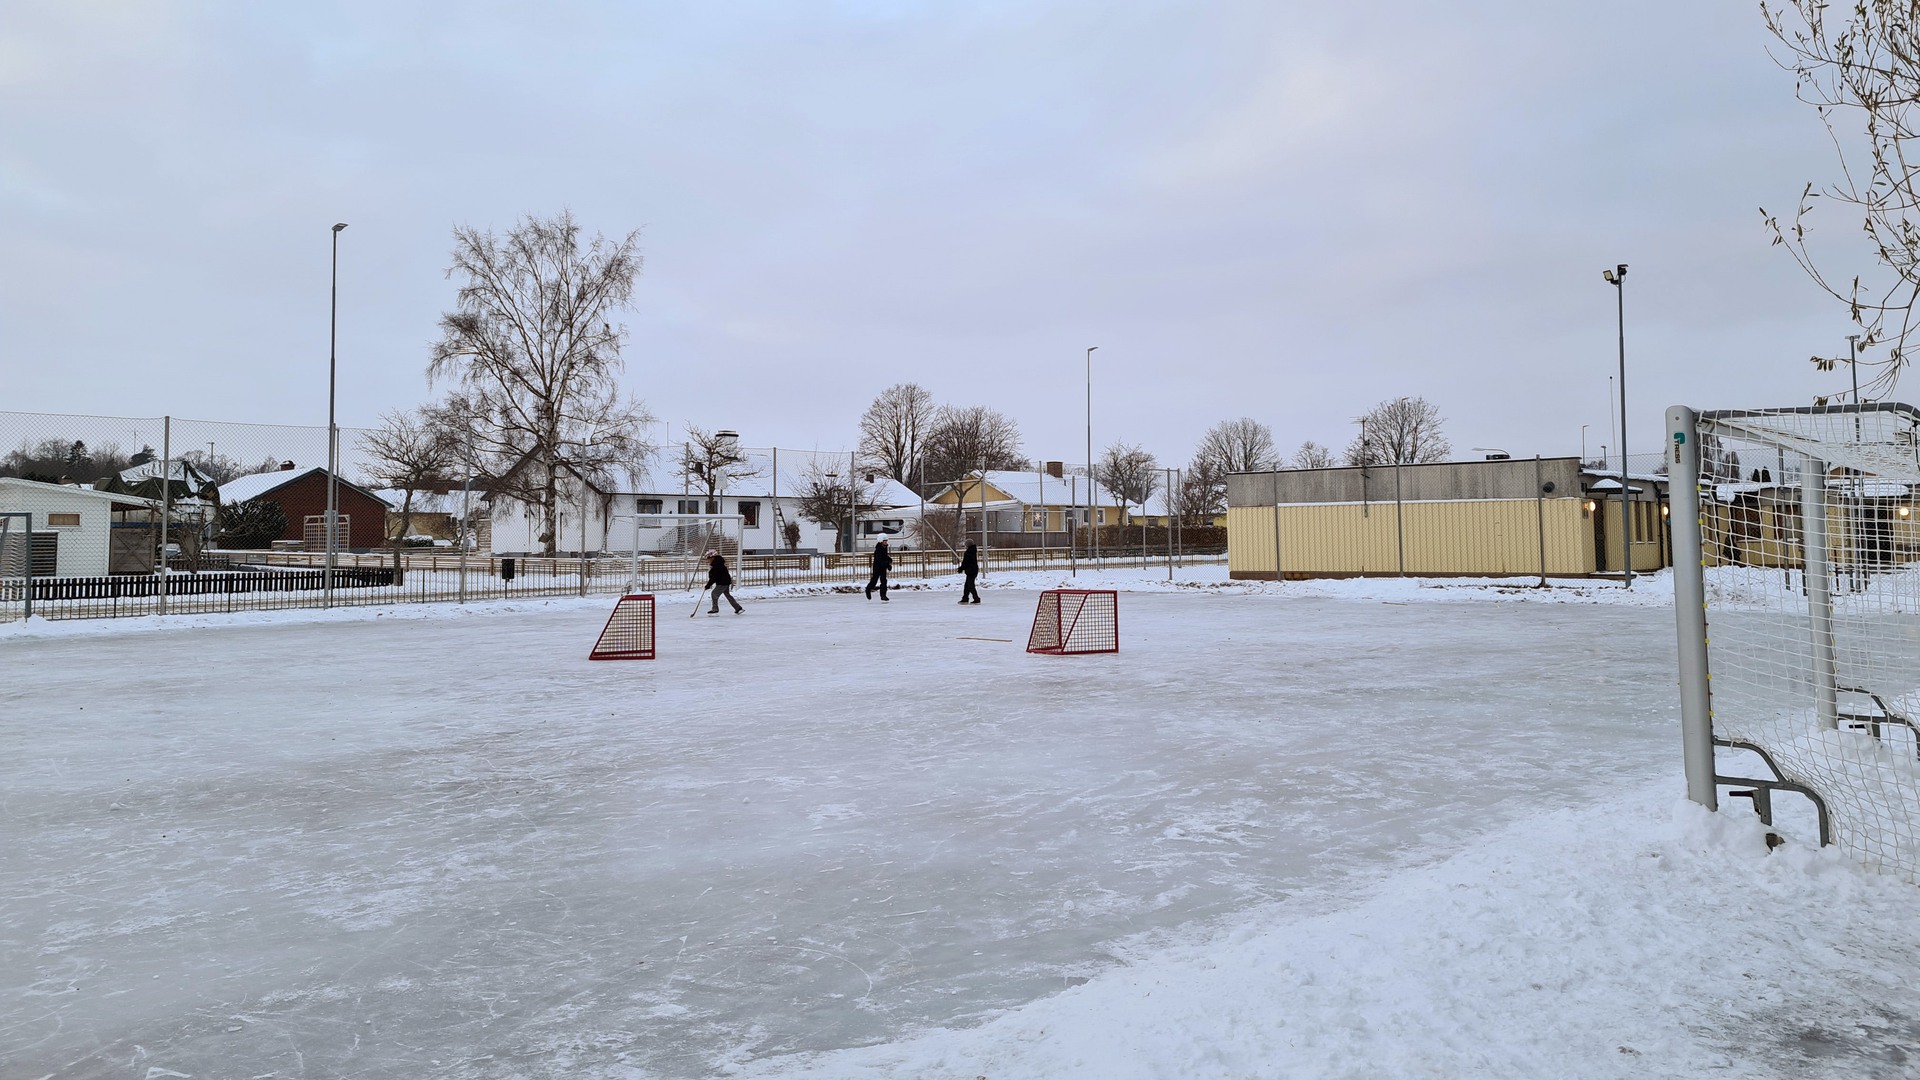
x=216 y=583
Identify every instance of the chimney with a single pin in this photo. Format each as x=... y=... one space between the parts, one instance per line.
x=1057 y=470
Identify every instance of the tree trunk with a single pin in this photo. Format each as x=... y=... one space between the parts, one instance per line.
x=406 y=523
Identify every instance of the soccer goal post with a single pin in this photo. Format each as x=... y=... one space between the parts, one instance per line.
x=1797 y=604
x=1071 y=621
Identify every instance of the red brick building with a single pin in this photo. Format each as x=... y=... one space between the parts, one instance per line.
x=303 y=494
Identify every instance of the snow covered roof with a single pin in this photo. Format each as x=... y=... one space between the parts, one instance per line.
x=426 y=502
x=888 y=492
x=1037 y=489
x=258 y=484
x=38 y=488
x=1612 y=484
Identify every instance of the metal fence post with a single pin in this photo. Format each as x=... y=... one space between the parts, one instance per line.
x=1540 y=513
x=1399 y=518
x=1274 y=478
x=166 y=502
x=1816 y=571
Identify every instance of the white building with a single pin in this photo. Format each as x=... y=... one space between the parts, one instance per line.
x=763 y=499
x=79 y=525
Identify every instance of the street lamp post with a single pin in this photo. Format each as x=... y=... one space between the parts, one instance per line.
x=1092 y=485
x=1583 y=444
x=333 y=433
x=1617 y=277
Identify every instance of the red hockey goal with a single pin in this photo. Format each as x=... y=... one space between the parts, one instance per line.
x=1076 y=621
x=629 y=631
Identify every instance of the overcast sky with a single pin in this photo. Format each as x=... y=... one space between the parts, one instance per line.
x=1279 y=210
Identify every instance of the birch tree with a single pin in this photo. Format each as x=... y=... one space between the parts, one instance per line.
x=533 y=357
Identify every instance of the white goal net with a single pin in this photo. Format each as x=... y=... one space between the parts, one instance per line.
x=1797 y=590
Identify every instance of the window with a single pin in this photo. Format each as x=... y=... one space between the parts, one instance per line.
x=1039 y=521
x=749 y=514
x=688 y=506
x=1103 y=515
x=646 y=506
x=54 y=520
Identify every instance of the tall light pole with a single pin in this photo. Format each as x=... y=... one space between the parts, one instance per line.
x=1617 y=277
x=1583 y=444
x=1092 y=487
x=333 y=432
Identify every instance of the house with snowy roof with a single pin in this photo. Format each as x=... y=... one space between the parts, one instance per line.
x=1022 y=508
x=301 y=495
x=754 y=509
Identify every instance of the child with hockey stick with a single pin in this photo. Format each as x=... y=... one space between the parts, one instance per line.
x=720 y=582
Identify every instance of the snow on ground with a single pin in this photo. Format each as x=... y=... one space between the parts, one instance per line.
x=1363 y=828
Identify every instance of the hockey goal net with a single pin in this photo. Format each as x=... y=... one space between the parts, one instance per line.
x=1076 y=621
x=1797 y=593
x=629 y=631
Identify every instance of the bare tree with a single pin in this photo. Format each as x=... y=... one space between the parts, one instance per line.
x=962 y=440
x=1243 y=445
x=408 y=451
x=1403 y=431
x=1197 y=500
x=710 y=460
x=1864 y=63
x=829 y=496
x=1131 y=473
x=892 y=428
x=216 y=466
x=1311 y=455
x=534 y=358
x=938 y=526
x=1230 y=446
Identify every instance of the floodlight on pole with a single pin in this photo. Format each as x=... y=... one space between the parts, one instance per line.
x=332 y=528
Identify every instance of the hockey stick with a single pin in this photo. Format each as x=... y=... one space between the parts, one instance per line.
x=696 y=601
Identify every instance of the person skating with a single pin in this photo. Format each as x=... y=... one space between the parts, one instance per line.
x=970 y=566
x=877 y=576
x=720 y=582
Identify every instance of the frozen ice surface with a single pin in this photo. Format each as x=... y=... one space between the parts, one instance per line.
x=449 y=845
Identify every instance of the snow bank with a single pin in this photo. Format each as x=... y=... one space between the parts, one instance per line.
x=1651 y=939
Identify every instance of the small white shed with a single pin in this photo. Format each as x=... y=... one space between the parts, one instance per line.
x=80 y=520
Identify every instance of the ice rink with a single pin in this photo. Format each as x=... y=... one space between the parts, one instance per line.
x=442 y=843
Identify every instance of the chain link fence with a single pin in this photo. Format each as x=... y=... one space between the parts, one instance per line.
x=164 y=515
